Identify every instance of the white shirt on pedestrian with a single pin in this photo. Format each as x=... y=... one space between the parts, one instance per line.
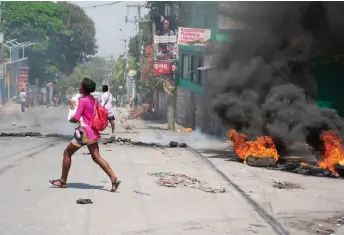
x=107 y=103
x=22 y=96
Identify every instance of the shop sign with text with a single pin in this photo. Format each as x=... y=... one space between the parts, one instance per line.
x=162 y=68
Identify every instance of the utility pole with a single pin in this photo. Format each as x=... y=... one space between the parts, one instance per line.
x=125 y=62
x=171 y=97
x=140 y=45
x=1 y=33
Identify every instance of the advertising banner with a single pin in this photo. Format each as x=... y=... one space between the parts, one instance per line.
x=193 y=36
x=24 y=79
x=161 y=68
x=165 y=39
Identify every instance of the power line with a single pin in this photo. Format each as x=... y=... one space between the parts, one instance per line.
x=101 y=5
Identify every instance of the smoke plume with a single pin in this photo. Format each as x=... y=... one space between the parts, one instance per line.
x=263 y=80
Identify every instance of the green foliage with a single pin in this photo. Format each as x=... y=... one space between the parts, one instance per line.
x=56 y=31
x=80 y=44
x=95 y=68
x=147 y=37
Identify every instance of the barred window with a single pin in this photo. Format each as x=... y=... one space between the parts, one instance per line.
x=185 y=68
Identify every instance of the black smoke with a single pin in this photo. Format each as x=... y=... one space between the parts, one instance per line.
x=263 y=83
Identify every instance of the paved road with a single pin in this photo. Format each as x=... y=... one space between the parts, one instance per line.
x=30 y=206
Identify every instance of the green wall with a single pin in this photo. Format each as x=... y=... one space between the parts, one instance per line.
x=187 y=83
x=330 y=79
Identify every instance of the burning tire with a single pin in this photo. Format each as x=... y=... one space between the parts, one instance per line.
x=260 y=162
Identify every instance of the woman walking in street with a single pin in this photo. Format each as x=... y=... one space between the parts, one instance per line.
x=85 y=135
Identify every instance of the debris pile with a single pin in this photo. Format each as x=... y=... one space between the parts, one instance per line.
x=167 y=179
x=22 y=134
x=144 y=112
x=304 y=169
x=128 y=141
x=285 y=185
x=84 y=201
x=35 y=134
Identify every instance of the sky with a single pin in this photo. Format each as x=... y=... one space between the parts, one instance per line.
x=108 y=20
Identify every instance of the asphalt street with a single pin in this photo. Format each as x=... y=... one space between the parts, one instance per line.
x=249 y=205
x=29 y=205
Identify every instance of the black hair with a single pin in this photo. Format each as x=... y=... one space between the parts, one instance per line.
x=88 y=85
x=105 y=88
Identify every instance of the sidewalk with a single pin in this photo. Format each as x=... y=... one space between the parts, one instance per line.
x=314 y=206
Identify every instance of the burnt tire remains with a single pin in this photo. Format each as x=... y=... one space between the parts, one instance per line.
x=260 y=162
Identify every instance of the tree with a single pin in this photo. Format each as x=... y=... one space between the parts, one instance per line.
x=147 y=39
x=38 y=22
x=80 y=44
x=57 y=47
x=119 y=69
x=95 y=69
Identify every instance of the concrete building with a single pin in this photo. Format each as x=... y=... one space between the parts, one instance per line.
x=193 y=106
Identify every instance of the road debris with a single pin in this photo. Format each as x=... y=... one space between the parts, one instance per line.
x=22 y=134
x=167 y=179
x=131 y=143
x=142 y=193
x=285 y=185
x=304 y=169
x=84 y=201
x=260 y=161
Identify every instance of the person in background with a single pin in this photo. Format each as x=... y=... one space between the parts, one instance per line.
x=23 y=98
x=107 y=103
x=85 y=135
x=30 y=99
x=130 y=102
x=136 y=102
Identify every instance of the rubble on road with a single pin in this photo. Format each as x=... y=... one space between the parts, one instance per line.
x=22 y=134
x=285 y=185
x=35 y=134
x=130 y=142
x=304 y=169
x=84 y=201
x=143 y=112
x=167 y=179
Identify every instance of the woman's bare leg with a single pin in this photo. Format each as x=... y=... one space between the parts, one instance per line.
x=67 y=160
x=94 y=150
x=66 y=163
x=113 y=127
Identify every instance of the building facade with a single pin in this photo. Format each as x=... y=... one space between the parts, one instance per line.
x=193 y=105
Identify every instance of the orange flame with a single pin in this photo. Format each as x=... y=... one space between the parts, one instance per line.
x=333 y=152
x=262 y=147
x=305 y=164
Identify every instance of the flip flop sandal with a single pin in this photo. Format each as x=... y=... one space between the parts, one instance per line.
x=59 y=185
x=115 y=185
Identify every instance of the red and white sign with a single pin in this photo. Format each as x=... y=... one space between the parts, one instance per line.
x=23 y=78
x=199 y=36
x=162 y=68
